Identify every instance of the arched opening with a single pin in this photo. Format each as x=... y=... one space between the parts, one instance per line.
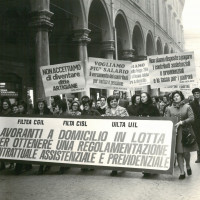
x=16 y=56
x=166 y=49
x=123 y=35
x=150 y=48
x=159 y=47
x=99 y=24
x=138 y=42
x=65 y=19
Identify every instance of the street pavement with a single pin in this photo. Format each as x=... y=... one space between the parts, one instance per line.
x=98 y=185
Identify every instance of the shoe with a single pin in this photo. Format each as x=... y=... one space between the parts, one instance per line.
x=182 y=176
x=197 y=161
x=146 y=174
x=113 y=173
x=189 y=172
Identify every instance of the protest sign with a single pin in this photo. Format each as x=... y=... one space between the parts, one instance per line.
x=171 y=69
x=108 y=74
x=185 y=88
x=63 y=78
x=139 y=74
x=137 y=144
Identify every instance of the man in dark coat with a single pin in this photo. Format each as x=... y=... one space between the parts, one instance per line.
x=195 y=105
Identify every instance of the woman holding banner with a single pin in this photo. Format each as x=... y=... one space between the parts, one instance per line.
x=75 y=109
x=184 y=114
x=42 y=109
x=6 y=110
x=114 y=109
x=133 y=108
x=22 y=110
x=147 y=109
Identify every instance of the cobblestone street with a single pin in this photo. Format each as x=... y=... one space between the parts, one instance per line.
x=98 y=185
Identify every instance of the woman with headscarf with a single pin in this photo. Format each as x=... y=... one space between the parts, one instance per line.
x=146 y=107
x=185 y=116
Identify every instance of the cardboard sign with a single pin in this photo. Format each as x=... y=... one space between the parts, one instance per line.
x=108 y=74
x=63 y=78
x=172 y=69
x=137 y=144
x=139 y=74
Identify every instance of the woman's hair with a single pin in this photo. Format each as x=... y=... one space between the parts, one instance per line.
x=7 y=101
x=155 y=97
x=73 y=102
x=177 y=92
x=149 y=100
x=89 y=101
x=133 y=98
x=46 y=110
x=110 y=98
x=23 y=103
x=14 y=105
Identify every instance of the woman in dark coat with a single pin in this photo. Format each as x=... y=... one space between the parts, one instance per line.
x=133 y=109
x=6 y=110
x=185 y=116
x=22 y=110
x=42 y=109
x=88 y=110
x=146 y=107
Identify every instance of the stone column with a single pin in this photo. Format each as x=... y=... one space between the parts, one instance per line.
x=128 y=54
x=41 y=25
x=108 y=49
x=82 y=39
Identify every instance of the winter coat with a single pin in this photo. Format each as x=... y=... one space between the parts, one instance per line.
x=185 y=114
x=145 y=110
x=196 y=124
x=133 y=110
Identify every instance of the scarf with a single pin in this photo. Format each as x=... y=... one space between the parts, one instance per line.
x=179 y=104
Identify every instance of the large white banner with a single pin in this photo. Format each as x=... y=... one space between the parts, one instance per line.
x=139 y=74
x=108 y=74
x=63 y=78
x=172 y=69
x=134 y=144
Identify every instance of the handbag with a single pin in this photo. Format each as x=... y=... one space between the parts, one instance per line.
x=188 y=139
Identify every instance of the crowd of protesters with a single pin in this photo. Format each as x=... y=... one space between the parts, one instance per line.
x=174 y=104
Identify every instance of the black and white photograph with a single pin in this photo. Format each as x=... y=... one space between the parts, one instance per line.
x=99 y=99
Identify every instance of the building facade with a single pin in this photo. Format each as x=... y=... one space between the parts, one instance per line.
x=35 y=33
